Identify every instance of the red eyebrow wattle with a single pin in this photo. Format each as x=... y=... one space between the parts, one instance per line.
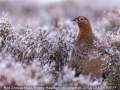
x=81 y=16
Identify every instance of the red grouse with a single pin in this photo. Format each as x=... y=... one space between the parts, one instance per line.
x=83 y=48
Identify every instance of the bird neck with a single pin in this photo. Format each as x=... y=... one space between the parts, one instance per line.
x=85 y=33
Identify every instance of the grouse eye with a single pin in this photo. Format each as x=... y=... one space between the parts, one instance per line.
x=81 y=19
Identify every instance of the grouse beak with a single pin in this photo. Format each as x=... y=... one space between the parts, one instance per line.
x=75 y=19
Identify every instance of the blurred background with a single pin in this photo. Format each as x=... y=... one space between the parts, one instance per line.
x=48 y=12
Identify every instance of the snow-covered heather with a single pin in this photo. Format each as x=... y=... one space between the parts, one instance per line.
x=36 y=40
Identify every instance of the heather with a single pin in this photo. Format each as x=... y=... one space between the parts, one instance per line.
x=36 y=40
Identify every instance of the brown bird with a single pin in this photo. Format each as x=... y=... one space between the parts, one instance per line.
x=83 y=48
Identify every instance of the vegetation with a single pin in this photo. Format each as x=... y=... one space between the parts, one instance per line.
x=36 y=42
